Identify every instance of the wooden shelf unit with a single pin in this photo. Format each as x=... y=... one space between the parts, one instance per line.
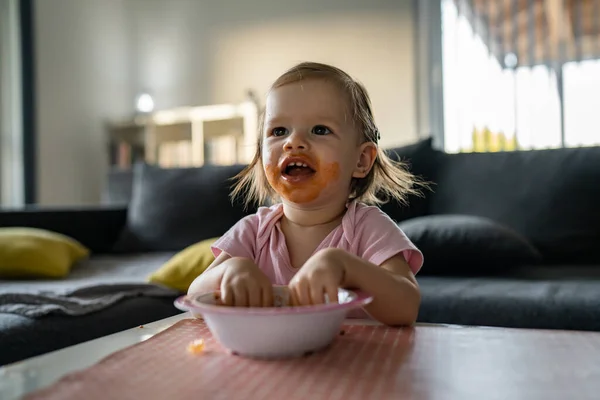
x=184 y=137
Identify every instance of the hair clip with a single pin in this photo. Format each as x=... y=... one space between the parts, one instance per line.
x=377 y=136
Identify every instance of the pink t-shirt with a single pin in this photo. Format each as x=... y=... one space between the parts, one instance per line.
x=365 y=231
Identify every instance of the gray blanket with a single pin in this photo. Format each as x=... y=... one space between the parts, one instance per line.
x=92 y=285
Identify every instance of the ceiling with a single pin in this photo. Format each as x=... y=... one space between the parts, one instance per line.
x=539 y=31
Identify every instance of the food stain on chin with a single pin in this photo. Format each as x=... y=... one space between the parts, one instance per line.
x=307 y=191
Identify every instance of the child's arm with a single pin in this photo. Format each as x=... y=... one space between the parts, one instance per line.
x=395 y=291
x=210 y=279
x=396 y=295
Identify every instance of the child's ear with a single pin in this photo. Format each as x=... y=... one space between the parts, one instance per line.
x=366 y=159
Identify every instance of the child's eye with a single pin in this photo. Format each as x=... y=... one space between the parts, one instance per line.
x=279 y=131
x=321 y=130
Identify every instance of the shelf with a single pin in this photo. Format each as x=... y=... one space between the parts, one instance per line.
x=187 y=136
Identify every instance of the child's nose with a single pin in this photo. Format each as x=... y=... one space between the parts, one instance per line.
x=297 y=140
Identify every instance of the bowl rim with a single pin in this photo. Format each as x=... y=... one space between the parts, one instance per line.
x=185 y=303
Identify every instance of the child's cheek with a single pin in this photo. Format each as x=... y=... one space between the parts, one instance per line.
x=329 y=173
x=273 y=175
x=268 y=157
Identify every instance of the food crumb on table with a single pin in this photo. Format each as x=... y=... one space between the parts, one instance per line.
x=196 y=346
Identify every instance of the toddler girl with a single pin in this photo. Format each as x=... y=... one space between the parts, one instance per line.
x=319 y=163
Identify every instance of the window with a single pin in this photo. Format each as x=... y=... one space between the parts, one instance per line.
x=520 y=74
x=582 y=102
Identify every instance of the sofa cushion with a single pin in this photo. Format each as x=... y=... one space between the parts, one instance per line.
x=118 y=188
x=173 y=208
x=100 y=282
x=421 y=159
x=463 y=244
x=37 y=253
x=97 y=228
x=552 y=197
x=180 y=271
x=561 y=303
x=22 y=337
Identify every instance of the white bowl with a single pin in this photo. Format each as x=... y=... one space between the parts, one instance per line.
x=273 y=332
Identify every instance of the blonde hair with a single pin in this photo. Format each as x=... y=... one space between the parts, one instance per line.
x=387 y=179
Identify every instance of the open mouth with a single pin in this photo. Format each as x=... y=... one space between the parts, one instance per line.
x=297 y=168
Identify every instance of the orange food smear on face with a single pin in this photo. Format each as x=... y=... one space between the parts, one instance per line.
x=307 y=191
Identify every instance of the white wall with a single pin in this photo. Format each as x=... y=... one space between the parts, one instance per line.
x=94 y=56
x=11 y=127
x=83 y=75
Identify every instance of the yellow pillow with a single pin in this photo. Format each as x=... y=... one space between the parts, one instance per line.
x=180 y=271
x=37 y=253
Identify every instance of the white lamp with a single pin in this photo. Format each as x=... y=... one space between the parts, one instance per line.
x=144 y=103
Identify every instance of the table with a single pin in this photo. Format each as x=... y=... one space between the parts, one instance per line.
x=441 y=362
x=34 y=373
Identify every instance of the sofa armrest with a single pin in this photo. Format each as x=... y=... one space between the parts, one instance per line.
x=98 y=228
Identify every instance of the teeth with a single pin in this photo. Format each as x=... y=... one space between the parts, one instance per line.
x=297 y=164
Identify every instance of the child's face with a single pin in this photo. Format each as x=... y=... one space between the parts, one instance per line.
x=311 y=149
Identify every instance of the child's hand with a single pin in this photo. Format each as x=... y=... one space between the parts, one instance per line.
x=322 y=274
x=245 y=285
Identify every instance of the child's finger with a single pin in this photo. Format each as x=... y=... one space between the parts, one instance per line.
x=267 y=295
x=317 y=294
x=303 y=293
x=254 y=296
x=332 y=294
x=240 y=296
x=294 y=302
x=227 y=296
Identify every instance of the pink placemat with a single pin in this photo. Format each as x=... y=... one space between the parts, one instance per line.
x=364 y=361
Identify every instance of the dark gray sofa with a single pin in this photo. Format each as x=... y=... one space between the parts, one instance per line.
x=509 y=240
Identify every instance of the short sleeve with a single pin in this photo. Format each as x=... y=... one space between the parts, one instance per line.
x=380 y=239
x=239 y=240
